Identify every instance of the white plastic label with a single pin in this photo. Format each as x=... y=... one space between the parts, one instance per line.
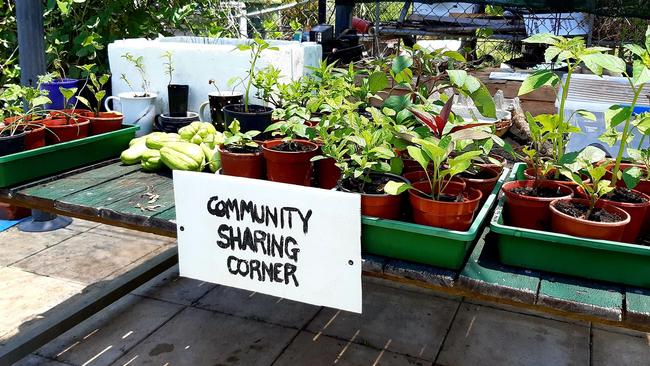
x=294 y=242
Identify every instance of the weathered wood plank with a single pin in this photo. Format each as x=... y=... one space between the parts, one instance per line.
x=637 y=306
x=66 y=186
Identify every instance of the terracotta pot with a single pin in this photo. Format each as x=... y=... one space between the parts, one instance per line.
x=448 y=215
x=566 y=224
x=638 y=212
x=485 y=185
x=248 y=165
x=497 y=167
x=79 y=112
x=62 y=130
x=530 y=174
x=385 y=206
x=530 y=212
x=327 y=173
x=287 y=166
x=643 y=186
x=35 y=137
x=105 y=122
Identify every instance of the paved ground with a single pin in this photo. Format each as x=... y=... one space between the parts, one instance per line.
x=177 y=321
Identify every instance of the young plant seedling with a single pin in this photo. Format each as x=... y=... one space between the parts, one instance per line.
x=168 y=65
x=138 y=64
x=256 y=47
x=96 y=86
x=237 y=141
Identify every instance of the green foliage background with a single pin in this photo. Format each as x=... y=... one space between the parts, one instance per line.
x=78 y=31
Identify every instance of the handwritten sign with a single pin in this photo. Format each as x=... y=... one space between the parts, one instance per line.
x=294 y=242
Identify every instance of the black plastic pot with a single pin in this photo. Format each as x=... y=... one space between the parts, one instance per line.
x=12 y=144
x=177 y=95
x=167 y=123
x=218 y=100
x=258 y=117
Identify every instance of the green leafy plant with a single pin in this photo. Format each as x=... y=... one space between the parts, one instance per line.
x=266 y=81
x=617 y=114
x=68 y=93
x=168 y=65
x=138 y=64
x=292 y=123
x=95 y=85
x=13 y=97
x=256 y=47
x=233 y=137
x=596 y=187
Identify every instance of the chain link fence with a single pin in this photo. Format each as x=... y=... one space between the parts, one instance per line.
x=490 y=35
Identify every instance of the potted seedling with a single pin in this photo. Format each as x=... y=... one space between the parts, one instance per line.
x=250 y=116
x=177 y=94
x=18 y=121
x=588 y=217
x=57 y=81
x=137 y=106
x=368 y=163
x=100 y=122
x=240 y=155
x=288 y=160
x=439 y=201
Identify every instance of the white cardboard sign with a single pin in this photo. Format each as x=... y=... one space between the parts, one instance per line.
x=294 y=242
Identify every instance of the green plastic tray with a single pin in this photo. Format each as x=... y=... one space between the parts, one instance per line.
x=424 y=244
x=37 y=163
x=604 y=260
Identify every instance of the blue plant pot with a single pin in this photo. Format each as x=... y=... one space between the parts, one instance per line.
x=55 y=94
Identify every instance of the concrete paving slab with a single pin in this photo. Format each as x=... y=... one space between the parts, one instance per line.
x=256 y=306
x=130 y=235
x=82 y=225
x=25 y=296
x=412 y=323
x=199 y=337
x=157 y=250
x=17 y=245
x=319 y=350
x=86 y=258
x=170 y=287
x=486 y=336
x=109 y=334
x=34 y=360
x=613 y=348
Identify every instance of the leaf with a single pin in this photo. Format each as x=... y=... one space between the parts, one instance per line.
x=545 y=38
x=457 y=77
x=605 y=61
x=635 y=49
x=396 y=188
x=632 y=177
x=357 y=140
x=41 y=100
x=591 y=154
x=84 y=101
x=377 y=81
x=400 y=63
x=472 y=84
x=426 y=119
x=537 y=80
x=586 y=114
x=551 y=52
x=397 y=102
x=456 y=56
x=640 y=73
x=484 y=102
x=597 y=173
x=419 y=156
x=617 y=114
x=383 y=152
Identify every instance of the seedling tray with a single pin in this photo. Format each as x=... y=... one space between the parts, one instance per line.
x=37 y=163
x=425 y=244
x=604 y=260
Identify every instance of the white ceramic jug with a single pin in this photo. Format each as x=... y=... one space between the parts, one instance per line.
x=137 y=111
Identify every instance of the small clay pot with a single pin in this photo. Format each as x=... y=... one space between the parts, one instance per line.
x=530 y=174
x=327 y=173
x=485 y=185
x=385 y=206
x=530 y=212
x=643 y=186
x=567 y=224
x=247 y=165
x=293 y=167
x=638 y=212
x=104 y=122
x=447 y=215
x=421 y=176
x=35 y=136
x=64 y=130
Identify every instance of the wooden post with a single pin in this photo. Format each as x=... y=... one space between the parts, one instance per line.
x=31 y=40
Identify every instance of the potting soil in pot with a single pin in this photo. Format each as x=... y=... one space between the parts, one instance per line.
x=537 y=192
x=624 y=195
x=375 y=186
x=243 y=149
x=579 y=210
x=292 y=146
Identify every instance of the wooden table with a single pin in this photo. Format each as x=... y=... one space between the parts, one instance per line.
x=114 y=194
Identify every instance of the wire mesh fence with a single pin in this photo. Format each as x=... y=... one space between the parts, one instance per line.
x=487 y=34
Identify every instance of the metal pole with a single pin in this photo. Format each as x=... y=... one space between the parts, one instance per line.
x=31 y=54
x=343 y=16
x=322 y=11
x=31 y=40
